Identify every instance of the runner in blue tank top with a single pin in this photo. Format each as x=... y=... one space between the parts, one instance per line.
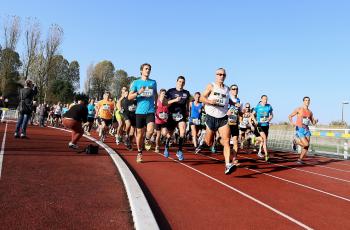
x=195 y=117
x=264 y=115
x=145 y=92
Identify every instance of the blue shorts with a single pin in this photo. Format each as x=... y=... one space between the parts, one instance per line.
x=303 y=132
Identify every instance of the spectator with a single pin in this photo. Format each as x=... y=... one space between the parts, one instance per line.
x=26 y=96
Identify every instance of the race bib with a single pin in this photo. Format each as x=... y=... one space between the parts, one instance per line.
x=147 y=93
x=243 y=126
x=163 y=116
x=105 y=107
x=245 y=121
x=306 y=121
x=221 y=102
x=177 y=116
x=263 y=119
x=132 y=108
x=91 y=112
x=204 y=119
x=196 y=121
x=232 y=119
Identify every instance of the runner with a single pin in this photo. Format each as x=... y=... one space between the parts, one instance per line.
x=119 y=117
x=264 y=115
x=129 y=107
x=57 y=114
x=196 y=108
x=104 y=109
x=91 y=116
x=145 y=92
x=234 y=116
x=304 y=119
x=216 y=100
x=178 y=101
x=162 y=115
x=245 y=125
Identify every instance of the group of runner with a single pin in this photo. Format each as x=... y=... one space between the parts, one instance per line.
x=215 y=116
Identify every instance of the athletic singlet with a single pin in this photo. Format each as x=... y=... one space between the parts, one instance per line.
x=91 y=110
x=58 y=110
x=105 y=109
x=263 y=113
x=128 y=106
x=162 y=113
x=303 y=119
x=222 y=96
x=196 y=111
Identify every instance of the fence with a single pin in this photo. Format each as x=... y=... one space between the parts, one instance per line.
x=323 y=140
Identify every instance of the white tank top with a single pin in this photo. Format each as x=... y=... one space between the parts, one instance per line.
x=222 y=96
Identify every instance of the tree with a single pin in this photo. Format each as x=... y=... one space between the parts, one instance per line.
x=74 y=74
x=32 y=42
x=61 y=91
x=11 y=32
x=103 y=74
x=89 y=76
x=9 y=66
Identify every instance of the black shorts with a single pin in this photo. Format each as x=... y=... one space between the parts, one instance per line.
x=57 y=116
x=264 y=129
x=131 y=117
x=172 y=124
x=108 y=122
x=159 y=127
x=215 y=123
x=90 y=119
x=143 y=119
x=234 y=130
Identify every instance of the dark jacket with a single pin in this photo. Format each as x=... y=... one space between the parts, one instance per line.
x=26 y=96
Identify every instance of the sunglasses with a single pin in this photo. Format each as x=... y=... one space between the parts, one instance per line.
x=234 y=89
x=221 y=74
x=247 y=107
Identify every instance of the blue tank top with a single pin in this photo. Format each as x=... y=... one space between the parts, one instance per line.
x=196 y=110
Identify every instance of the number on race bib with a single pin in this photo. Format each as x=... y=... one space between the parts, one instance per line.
x=306 y=121
x=196 y=121
x=177 y=116
x=147 y=93
x=232 y=119
x=163 y=116
x=132 y=108
x=263 y=120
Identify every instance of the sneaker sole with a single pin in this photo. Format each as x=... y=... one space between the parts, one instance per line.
x=232 y=169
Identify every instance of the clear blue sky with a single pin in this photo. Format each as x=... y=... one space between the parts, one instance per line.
x=286 y=49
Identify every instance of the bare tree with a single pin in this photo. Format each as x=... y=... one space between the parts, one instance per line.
x=89 y=76
x=32 y=41
x=11 y=32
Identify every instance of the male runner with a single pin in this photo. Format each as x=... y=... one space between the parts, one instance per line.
x=305 y=118
x=145 y=92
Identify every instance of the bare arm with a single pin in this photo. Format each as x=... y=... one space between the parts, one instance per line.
x=293 y=114
x=205 y=95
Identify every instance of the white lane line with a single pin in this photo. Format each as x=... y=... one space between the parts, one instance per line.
x=245 y=195
x=3 y=149
x=301 y=170
x=286 y=180
x=141 y=212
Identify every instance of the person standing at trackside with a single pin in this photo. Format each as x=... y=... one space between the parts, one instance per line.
x=5 y=108
x=178 y=100
x=73 y=119
x=264 y=115
x=26 y=96
x=216 y=99
x=305 y=118
x=145 y=92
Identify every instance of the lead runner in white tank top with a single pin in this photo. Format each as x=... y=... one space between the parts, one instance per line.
x=221 y=95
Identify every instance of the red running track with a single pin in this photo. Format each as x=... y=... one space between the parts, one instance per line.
x=45 y=185
x=195 y=194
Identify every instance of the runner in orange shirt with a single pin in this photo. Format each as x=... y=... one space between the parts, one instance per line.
x=104 y=109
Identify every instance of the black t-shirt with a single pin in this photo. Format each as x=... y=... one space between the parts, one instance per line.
x=128 y=106
x=178 y=107
x=78 y=112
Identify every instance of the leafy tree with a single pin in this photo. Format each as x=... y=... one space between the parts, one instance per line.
x=102 y=77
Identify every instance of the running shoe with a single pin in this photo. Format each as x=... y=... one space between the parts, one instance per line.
x=180 y=155
x=166 y=152
x=294 y=144
x=198 y=149
x=212 y=149
x=300 y=162
x=129 y=147
x=260 y=155
x=148 y=145
x=117 y=141
x=139 y=158
x=230 y=169
x=72 y=146
x=16 y=135
x=156 y=150
x=267 y=157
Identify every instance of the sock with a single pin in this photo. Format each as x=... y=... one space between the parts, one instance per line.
x=167 y=141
